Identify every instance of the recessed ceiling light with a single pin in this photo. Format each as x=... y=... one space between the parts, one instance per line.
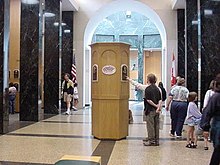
x=48 y=14
x=30 y=2
x=56 y=23
x=67 y=31
x=208 y=12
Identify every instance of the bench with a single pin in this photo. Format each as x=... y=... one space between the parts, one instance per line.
x=79 y=160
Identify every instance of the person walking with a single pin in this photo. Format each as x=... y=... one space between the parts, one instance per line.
x=209 y=93
x=178 y=110
x=212 y=112
x=75 y=97
x=12 y=97
x=153 y=107
x=67 y=92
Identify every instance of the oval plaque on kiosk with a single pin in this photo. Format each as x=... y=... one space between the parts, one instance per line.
x=108 y=69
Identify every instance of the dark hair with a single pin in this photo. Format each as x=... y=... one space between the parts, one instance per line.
x=75 y=85
x=11 y=84
x=67 y=74
x=160 y=85
x=180 y=81
x=192 y=96
x=151 y=78
x=217 y=83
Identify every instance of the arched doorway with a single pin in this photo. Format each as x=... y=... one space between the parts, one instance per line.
x=107 y=10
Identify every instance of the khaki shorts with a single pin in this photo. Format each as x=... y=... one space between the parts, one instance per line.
x=67 y=97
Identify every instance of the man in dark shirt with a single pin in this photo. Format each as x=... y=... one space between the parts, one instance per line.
x=153 y=102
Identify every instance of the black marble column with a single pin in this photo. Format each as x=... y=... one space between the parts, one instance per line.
x=181 y=42
x=67 y=41
x=210 y=25
x=67 y=44
x=51 y=56
x=1 y=62
x=192 y=45
x=29 y=62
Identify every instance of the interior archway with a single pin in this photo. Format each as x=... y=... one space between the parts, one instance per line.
x=109 y=9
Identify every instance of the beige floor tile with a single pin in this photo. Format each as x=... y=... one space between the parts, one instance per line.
x=57 y=129
x=133 y=152
x=43 y=150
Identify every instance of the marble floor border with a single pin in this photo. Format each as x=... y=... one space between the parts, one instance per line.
x=86 y=137
x=104 y=149
x=50 y=136
x=82 y=122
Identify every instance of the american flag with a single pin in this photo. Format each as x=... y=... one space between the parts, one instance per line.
x=73 y=69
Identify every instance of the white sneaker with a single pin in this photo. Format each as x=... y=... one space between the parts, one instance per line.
x=74 y=108
x=67 y=112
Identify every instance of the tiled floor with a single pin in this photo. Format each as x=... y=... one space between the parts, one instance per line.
x=47 y=141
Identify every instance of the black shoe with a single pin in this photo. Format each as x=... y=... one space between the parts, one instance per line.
x=145 y=140
x=206 y=148
x=188 y=146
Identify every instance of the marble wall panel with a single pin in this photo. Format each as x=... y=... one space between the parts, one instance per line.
x=192 y=45
x=181 y=42
x=210 y=33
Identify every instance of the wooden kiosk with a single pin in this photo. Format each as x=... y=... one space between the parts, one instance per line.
x=110 y=90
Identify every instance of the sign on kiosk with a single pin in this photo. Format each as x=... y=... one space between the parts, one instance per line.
x=108 y=69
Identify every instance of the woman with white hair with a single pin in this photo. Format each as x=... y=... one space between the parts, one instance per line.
x=178 y=110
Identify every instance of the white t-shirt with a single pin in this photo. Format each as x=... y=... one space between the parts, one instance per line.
x=208 y=95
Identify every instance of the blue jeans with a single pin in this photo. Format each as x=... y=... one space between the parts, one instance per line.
x=178 y=113
x=12 y=104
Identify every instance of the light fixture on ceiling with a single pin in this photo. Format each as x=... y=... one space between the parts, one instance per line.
x=30 y=2
x=195 y=22
x=67 y=31
x=208 y=12
x=57 y=24
x=48 y=14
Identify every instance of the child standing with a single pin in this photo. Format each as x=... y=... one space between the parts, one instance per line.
x=75 y=97
x=193 y=118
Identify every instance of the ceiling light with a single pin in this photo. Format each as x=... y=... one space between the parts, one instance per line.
x=56 y=23
x=67 y=31
x=63 y=24
x=208 y=12
x=48 y=14
x=30 y=2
